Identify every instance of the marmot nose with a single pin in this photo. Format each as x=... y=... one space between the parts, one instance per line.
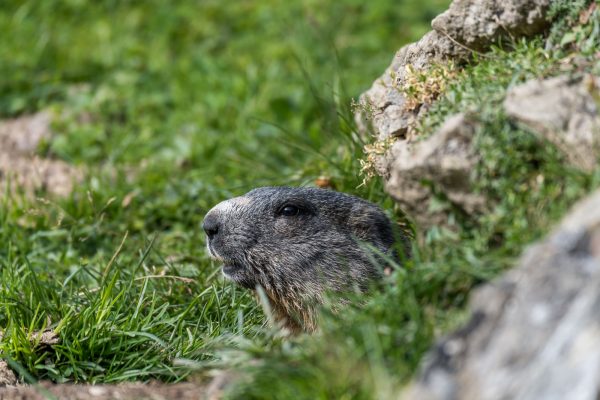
x=211 y=226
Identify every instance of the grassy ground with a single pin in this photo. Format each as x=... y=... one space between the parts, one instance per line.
x=172 y=108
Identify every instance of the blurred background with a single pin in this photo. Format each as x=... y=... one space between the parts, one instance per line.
x=229 y=93
x=176 y=105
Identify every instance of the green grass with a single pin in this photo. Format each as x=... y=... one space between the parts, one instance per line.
x=175 y=107
x=178 y=107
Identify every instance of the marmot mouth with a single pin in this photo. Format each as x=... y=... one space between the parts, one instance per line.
x=230 y=268
x=236 y=272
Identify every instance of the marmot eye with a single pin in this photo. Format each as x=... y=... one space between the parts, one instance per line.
x=289 y=210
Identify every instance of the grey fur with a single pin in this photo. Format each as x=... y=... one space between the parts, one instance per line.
x=296 y=258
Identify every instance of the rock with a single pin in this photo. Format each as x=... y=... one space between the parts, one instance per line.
x=563 y=111
x=443 y=163
x=466 y=26
x=477 y=24
x=534 y=333
x=43 y=340
x=382 y=107
x=7 y=376
x=34 y=173
x=386 y=111
x=21 y=136
x=46 y=338
x=21 y=169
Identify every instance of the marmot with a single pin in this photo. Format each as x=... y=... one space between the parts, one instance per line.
x=298 y=243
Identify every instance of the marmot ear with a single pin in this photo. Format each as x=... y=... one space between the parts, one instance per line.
x=371 y=224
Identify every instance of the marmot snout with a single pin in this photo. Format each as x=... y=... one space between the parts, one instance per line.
x=297 y=243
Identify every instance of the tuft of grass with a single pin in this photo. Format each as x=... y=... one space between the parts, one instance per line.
x=128 y=318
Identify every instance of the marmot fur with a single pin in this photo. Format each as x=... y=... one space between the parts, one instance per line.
x=298 y=243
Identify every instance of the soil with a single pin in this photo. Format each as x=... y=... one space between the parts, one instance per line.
x=128 y=391
x=21 y=168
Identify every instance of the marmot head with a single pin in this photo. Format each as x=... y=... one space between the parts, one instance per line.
x=296 y=244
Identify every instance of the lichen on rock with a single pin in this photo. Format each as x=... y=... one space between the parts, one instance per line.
x=413 y=171
x=467 y=26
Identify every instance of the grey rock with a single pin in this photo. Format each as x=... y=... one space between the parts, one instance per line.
x=21 y=136
x=563 y=111
x=478 y=23
x=535 y=332
x=442 y=163
x=467 y=25
x=21 y=169
x=29 y=174
x=383 y=111
x=7 y=376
